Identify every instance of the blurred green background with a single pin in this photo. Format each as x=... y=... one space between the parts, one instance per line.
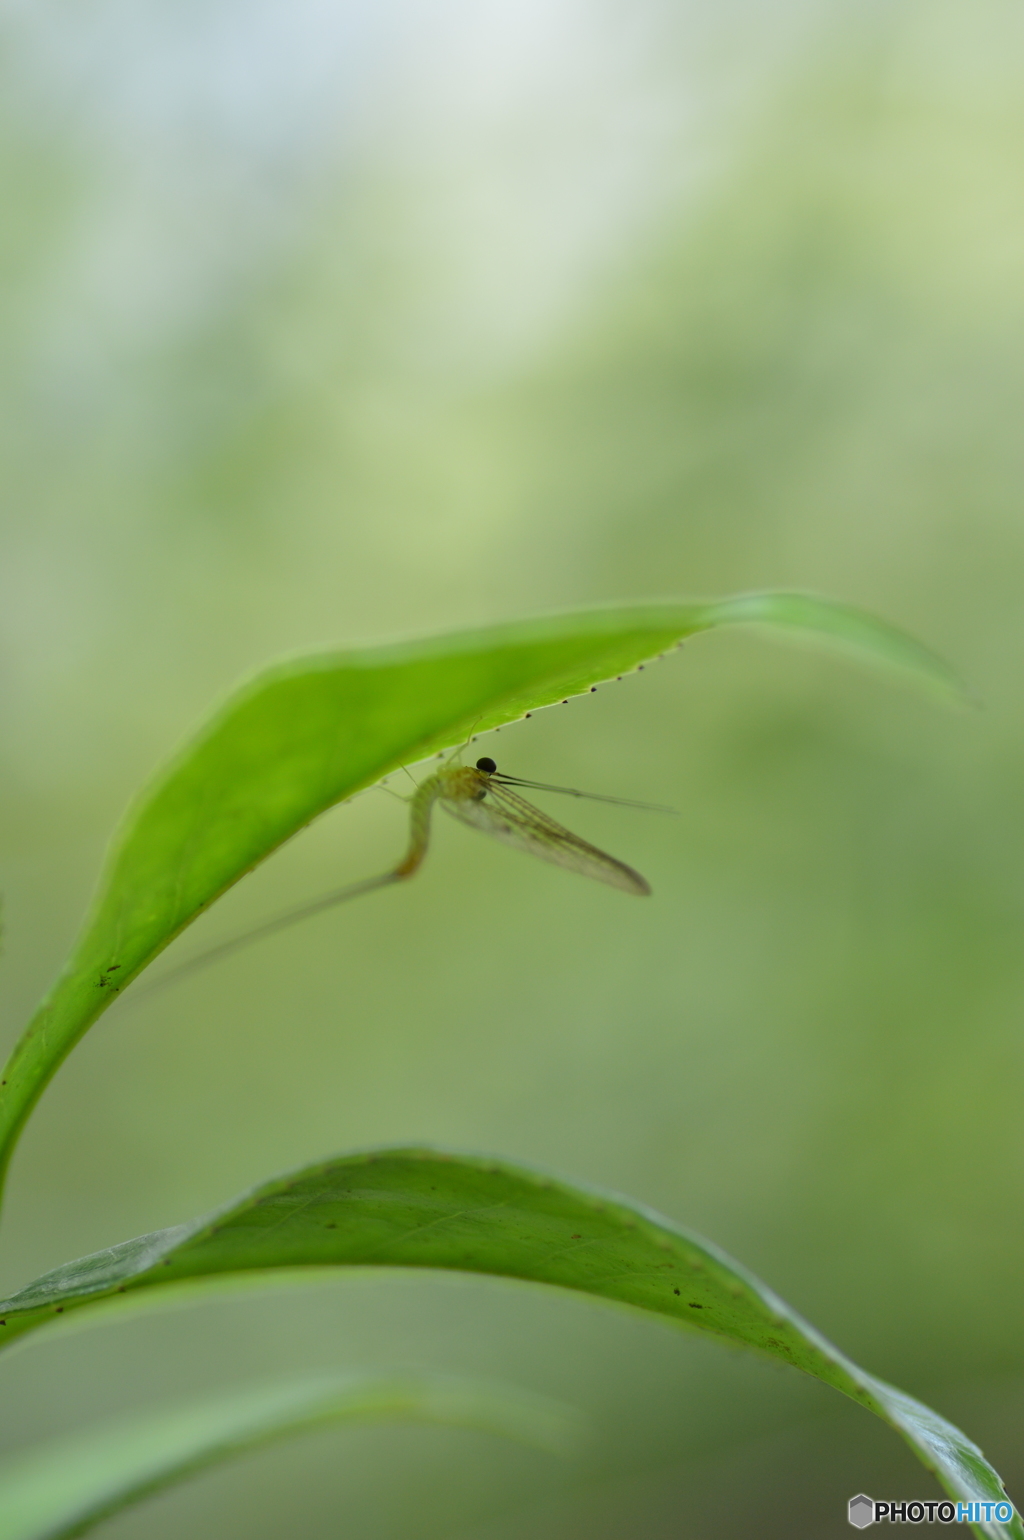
x=336 y=322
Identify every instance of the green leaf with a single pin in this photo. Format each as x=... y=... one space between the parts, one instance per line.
x=422 y=1208
x=307 y=733
x=65 y=1487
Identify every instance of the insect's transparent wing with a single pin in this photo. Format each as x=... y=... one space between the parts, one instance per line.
x=510 y=818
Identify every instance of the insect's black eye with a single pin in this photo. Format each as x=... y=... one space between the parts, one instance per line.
x=486 y=765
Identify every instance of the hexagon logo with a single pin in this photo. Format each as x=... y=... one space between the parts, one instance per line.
x=861 y=1511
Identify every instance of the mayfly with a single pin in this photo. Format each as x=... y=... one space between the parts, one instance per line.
x=482 y=797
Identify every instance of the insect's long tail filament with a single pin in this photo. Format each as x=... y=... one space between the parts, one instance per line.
x=419 y=834
x=269 y=928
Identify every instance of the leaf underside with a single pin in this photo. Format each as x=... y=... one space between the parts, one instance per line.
x=305 y=734
x=422 y=1208
x=65 y=1487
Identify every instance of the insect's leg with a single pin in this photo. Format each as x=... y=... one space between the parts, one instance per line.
x=383 y=786
x=458 y=752
x=395 y=794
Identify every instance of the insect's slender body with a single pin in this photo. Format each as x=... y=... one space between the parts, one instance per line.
x=484 y=799
x=446 y=786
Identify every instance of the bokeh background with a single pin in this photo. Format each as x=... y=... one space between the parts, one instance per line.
x=324 y=322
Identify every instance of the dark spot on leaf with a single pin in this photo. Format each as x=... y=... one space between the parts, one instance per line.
x=3 y=1323
x=332 y=1226
x=675 y=1291
x=575 y=1237
x=121 y=1288
x=60 y=1309
x=593 y=689
x=693 y=1306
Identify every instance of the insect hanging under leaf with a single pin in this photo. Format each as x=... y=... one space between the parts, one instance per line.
x=485 y=799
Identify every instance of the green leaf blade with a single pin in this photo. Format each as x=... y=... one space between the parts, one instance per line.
x=306 y=734
x=66 y=1487
x=415 y=1208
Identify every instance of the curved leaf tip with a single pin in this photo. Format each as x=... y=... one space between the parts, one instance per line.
x=853 y=630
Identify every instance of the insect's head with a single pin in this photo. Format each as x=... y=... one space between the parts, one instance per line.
x=487 y=765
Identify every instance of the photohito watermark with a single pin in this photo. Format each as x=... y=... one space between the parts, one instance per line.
x=864 y=1511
